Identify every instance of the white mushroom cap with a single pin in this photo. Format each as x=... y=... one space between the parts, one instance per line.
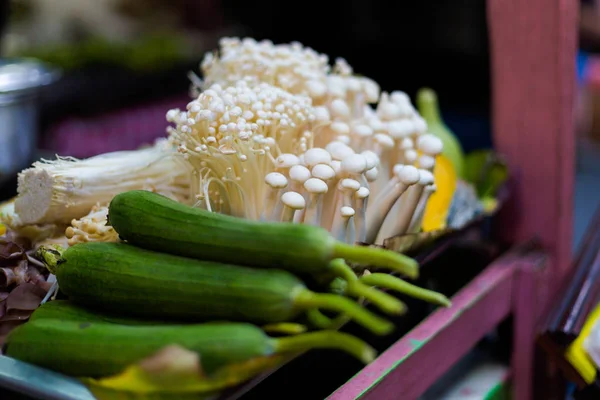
x=316 y=156
x=371 y=90
x=315 y=186
x=410 y=175
x=322 y=113
x=411 y=155
x=406 y=143
x=323 y=171
x=339 y=127
x=350 y=184
x=362 y=130
x=430 y=144
x=339 y=150
x=376 y=124
x=287 y=160
x=299 y=173
x=362 y=192
x=316 y=89
x=400 y=128
x=336 y=165
x=384 y=140
x=386 y=109
x=354 y=163
x=353 y=84
x=293 y=200
x=372 y=174
x=426 y=162
x=397 y=168
x=425 y=177
x=339 y=109
x=347 y=212
x=372 y=159
x=420 y=125
x=276 y=180
x=344 y=139
x=398 y=96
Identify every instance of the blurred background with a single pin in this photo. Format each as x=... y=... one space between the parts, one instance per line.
x=123 y=63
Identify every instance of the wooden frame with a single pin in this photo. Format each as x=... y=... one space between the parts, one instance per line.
x=533 y=51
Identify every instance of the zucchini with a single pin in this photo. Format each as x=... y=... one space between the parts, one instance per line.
x=65 y=310
x=96 y=349
x=120 y=278
x=155 y=222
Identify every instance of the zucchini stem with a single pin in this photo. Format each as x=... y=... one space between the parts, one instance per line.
x=333 y=302
x=377 y=257
x=385 y=302
x=321 y=321
x=339 y=267
x=285 y=328
x=355 y=288
x=398 y=285
x=51 y=256
x=326 y=340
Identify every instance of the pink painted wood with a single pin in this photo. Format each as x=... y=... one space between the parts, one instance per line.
x=533 y=50
x=423 y=355
x=526 y=305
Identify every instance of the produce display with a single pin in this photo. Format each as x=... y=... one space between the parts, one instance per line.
x=249 y=234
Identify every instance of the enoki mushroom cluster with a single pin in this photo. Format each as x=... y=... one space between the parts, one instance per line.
x=277 y=134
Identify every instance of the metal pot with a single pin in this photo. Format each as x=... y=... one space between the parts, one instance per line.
x=20 y=84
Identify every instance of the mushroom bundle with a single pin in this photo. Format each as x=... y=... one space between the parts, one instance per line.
x=276 y=134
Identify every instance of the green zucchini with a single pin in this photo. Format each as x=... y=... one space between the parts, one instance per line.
x=66 y=310
x=95 y=349
x=155 y=222
x=120 y=278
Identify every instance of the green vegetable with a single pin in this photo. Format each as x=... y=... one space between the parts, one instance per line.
x=486 y=171
x=67 y=311
x=395 y=284
x=88 y=349
x=427 y=103
x=120 y=278
x=155 y=222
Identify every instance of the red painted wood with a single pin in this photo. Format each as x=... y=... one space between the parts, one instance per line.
x=441 y=340
x=533 y=45
x=527 y=287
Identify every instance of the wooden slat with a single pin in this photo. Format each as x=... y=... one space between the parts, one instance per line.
x=533 y=50
x=413 y=363
x=527 y=286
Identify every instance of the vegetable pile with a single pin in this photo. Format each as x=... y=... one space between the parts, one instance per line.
x=207 y=283
x=251 y=232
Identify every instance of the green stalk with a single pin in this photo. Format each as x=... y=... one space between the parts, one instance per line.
x=308 y=300
x=377 y=257
x=398 y=285
x=285 y=328
x=319 y=320
x=385 y=302
x=355 y=288
x=326 y=340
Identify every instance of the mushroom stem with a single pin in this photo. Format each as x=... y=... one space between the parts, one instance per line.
x=381 y=194
x=407 y=176
x=341 y=233
x=346 y=190
x=412 y=200
x=417 y=220
x=316 y=189
x=360 y=205
x=350 y=230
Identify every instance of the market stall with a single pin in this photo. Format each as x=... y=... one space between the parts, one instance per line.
x=506 y=245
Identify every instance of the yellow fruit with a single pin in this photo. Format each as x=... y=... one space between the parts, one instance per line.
x=436 y=211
